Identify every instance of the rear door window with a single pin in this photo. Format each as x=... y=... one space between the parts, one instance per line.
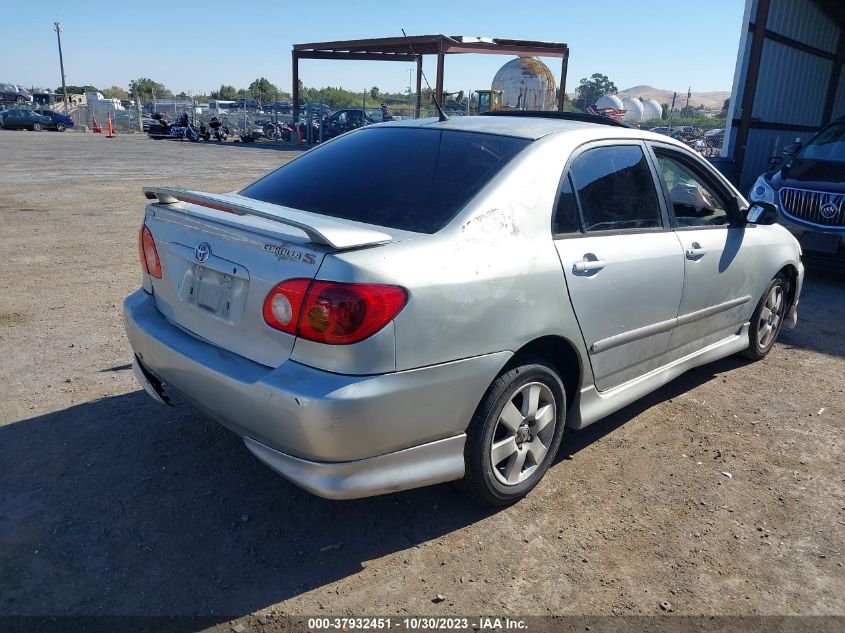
x=414 y=179
x=693 y=201
x=615 y=189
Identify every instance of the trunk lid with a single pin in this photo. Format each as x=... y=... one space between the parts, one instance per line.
x=221 y=254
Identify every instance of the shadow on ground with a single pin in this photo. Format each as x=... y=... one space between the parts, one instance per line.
x=278 y=146
x=121 y=506
x=820 y=325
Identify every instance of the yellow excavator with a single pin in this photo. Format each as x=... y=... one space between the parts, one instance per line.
x=489 y=100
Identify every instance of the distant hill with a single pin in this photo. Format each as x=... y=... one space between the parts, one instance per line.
x=710 y=100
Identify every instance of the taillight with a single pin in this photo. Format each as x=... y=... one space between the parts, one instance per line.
x=331 y=312
x=283 y=304
x=147 y=251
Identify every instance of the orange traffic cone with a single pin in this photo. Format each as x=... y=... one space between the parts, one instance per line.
x=95 y=128
x=110 y=129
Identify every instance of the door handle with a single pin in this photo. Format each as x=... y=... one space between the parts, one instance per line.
x=695 y=251
x=588 y=265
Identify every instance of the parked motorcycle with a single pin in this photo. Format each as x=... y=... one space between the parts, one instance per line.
x=183 y=129
x=219 y=131
x=253 y=132
x=159 y=127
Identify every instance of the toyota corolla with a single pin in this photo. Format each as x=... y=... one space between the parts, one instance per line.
x=436 y=300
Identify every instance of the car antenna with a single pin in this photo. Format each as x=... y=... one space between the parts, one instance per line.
x=441 y=115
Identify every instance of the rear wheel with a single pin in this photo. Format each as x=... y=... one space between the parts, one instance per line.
x=767 y=319
x=37 y=127
x=515 y=433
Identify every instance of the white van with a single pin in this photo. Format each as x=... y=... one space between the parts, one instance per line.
x=216 y=108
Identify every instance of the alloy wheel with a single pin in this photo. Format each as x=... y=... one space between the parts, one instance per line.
x=770 y=317
x=523 y=433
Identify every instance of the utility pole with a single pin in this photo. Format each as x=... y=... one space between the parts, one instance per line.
x=58 y=28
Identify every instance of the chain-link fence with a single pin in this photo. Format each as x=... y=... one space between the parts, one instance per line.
x=705 y=137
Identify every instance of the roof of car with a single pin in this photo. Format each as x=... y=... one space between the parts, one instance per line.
x=532 y=127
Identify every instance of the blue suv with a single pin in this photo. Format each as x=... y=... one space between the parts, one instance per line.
x=58 y=121
x=807 y=186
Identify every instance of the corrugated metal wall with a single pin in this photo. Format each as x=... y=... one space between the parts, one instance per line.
x=839 y=104
x=804 y=21
x=792 y=84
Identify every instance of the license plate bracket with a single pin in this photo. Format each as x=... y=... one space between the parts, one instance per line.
x=210 y=290
x=820 y=242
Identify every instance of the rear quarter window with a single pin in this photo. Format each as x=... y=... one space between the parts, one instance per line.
x=413 y=179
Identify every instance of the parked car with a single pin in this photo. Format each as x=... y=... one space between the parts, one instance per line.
x=20 y=119
x=426 y=301
x=10 y=93
x=58 y=121
x=343 y=121
x=807 y=186
x=249 y=104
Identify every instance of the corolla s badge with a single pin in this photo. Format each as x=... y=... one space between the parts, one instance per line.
x=202 y=252
x=828 y=210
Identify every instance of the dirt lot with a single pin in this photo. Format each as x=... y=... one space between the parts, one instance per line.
x=111 y=504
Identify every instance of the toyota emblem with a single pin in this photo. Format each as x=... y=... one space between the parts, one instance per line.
x=202 y=252
x=829 y=210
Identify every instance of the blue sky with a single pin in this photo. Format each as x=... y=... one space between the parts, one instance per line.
x=195 y=46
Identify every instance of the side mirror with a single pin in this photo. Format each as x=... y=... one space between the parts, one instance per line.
x=792 y=149
x=761 y=213
x=775 y=162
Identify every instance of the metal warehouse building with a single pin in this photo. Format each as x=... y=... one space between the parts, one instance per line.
x=789 y=79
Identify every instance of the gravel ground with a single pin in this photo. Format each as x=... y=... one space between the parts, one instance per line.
x=111 y=504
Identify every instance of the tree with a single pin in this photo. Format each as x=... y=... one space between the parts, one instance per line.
x=374 y=93
x=690 y=111
x=76 y=90
x=144 y=89
x=665 y=111
x=591 y=88
x=263 y=90
x=725 y=106
x=226 y=93
x=115 y=92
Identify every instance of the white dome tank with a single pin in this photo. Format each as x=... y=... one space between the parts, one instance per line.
x=609 y=101
x=527 y=84
x=633 y=109
x=652 y=110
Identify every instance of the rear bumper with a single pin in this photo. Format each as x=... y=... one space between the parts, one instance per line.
x=338 y=436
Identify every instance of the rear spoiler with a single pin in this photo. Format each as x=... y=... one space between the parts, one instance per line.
x=320 y=229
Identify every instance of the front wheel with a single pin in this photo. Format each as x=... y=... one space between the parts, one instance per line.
x=60 y=127
x=767 y=319
x=37 y=127
x=515 y=433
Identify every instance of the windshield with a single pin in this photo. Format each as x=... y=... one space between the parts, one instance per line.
x=829 y=145
x=413 y=179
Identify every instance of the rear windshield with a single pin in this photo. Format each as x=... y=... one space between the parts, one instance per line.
x=405 y=178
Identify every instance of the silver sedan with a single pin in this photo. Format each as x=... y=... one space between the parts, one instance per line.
x=427 y=301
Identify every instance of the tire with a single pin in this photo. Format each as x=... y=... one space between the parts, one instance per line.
x=60 y=127
x=506 y=419
x=37 y=127
x=19 y=99
x=767 y=319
